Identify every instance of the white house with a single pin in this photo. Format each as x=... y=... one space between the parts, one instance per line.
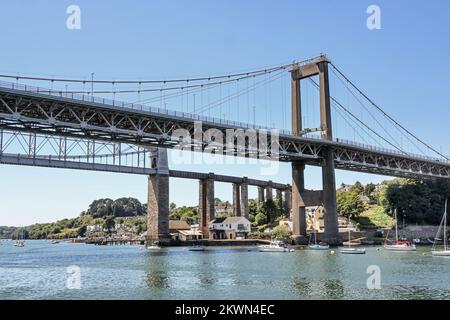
x=229 y=228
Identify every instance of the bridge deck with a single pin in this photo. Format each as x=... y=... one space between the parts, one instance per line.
x=35 y=110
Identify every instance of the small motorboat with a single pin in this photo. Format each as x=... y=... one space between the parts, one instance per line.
x=274 y=246
x=153 y=247
x=197 y=248
x=318 y=246
x=55 y=242
x=352 y=250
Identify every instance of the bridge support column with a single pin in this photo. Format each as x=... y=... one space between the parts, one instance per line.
x=210 y=204
x=331 y=224
x=244 y=198
x=279 y=198
x=298 y=205
x=261 y=195
x=206 y=207
x=269 y=193
x=158 y=198
x=288 y=203
x=236 y=200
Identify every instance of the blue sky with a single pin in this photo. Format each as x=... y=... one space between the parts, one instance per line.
x=404 y=67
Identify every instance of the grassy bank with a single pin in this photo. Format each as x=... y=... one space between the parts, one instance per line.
x=374 y=218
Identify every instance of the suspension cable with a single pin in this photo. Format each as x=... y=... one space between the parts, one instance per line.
x=387 y=115
x=361 y=122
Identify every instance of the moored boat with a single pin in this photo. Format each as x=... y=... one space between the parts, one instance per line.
x=398 y=245
x=352 y=250
x=349 y=249
x=197 y=248
x=445 y=252
x=318 y=246
x=274 y=246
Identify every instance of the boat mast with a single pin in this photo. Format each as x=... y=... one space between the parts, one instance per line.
x=445 y=226
x=349 y=235
x=396 y=225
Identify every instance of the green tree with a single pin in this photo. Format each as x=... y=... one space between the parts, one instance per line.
x=109 y=223
x=81 y=232
x=260 y=219
x=281 y=232
x=357 y=188
x=349 y=204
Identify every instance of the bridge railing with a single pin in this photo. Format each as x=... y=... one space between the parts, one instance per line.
x=195 y=117
x=133 y=106
x=385 y=150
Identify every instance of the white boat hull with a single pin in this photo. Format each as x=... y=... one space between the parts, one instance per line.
x=352 y=251
x=273 y=250
x=153 y=248
x=400 y=248
x=442 y=253
x=318 y=247
x=196 y=249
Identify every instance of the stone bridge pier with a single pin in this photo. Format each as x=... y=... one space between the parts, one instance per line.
x=206 y=205
x=158 y=198
x=240 y=198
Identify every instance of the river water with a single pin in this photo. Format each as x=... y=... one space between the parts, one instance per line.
x=40 y=271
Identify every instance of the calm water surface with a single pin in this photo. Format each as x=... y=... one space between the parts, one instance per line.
x=39 y=271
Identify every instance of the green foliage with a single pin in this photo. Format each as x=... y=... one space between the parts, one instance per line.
x=81 y=231
x=348 y=203
x=357 y=188
x=122 y=207
x=20 y=233
x=258 y=235
x=6 y=232
x=260 y=219
x=416 y=201
x=109 y=223
x=188 y=214
x=374 y=217
x=281 y=232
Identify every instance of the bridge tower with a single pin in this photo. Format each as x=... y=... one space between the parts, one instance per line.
x=319 y=68
x=158 y=198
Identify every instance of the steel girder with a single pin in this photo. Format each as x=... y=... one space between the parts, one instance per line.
x=60 y=116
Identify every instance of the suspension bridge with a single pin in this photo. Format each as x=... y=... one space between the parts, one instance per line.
x=316 y=114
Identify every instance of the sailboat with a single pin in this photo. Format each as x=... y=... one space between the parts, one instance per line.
x=318 y=246
x=349 y=249
x=446 y=251
x=20 y=242
x=398 y=245
x=153 y=246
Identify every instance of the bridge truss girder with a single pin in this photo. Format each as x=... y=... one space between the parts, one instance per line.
x=109 y=127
